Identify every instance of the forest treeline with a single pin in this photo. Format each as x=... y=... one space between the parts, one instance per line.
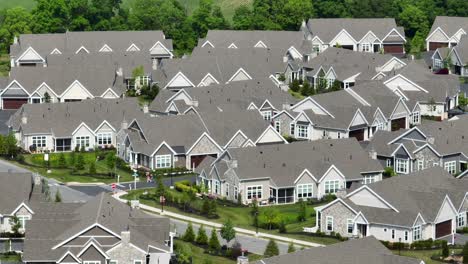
x=56 y=16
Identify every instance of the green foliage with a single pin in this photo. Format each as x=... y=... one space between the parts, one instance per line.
x=207 y=16
x=111 y=162
x=291 y=248
x=213 y=245
x=160 y=188
x=72 y=159
x=15 y=225
x=189 y=235
x=58 y=196
x=202 y=238
x=213 y=209
x=13 y=22
x=227 y=231
x=8 y=145
x=295 y=86
x=62 y=162
x=80 y=162
x=465 y=253
x=462 y=100
x=271 y=249
x=445 y=250
x=92 y=168
x=389 y=172
x=282 y=226
x=270 y=218
x=301 y=217
x=184 y=253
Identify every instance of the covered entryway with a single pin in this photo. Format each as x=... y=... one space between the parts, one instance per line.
x=13 y=103
x=358 y=134
x=398 y=124
x=443 y=228
x=436 y=45
x=393 y=48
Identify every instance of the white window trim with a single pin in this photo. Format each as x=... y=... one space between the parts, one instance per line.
x=420 y=164
x=252 y=188
x=349 y=222
x=389 y=163
x=405 y=162
x=416 y=117
x=41 y=139
x=367 y=45
x=79 y=141
x=326 y=223
x=266 y=115
x=305 y=187
x=335 y=183
x=163 y=164
x=461 y=217
x=278 y=126
x=302 y=131
x=104 y=136
x=417 y=228
x=451 y=166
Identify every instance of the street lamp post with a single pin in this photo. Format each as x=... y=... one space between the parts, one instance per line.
x=399 y=246
x=135 y=175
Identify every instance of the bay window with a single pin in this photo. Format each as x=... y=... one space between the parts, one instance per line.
x=402 y=166
x=302 y=131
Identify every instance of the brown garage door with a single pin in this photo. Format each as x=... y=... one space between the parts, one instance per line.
x=358 y=134
x=393 y=48
x=13 y=103
x=436 y=45
x=399 y=123
x=444 y=228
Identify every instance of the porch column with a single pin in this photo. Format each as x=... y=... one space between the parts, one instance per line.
x=294 y=194
x=151 y=163
x=367 y=229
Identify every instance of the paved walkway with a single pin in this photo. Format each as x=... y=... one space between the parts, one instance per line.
x=218 y=226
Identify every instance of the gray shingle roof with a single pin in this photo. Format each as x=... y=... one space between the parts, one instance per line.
x=356 y=251
x=15 y=188
x=461 y=50
x=62 y=119
x=327 y=28
x=450 y=25
x=93 y=41
x=56 y=223
x=284 y=163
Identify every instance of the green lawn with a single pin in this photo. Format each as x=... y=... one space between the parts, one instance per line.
x=10 y=258
x=4 y=64
x=199 y=256
x=35 y=163
x=296 y=94
x=241 y=216
x=424 y=255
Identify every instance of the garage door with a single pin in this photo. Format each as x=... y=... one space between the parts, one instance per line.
x=358 y=134
x=436 y=45
x=13 y=103
x=393 y=48
x=399 y=123
x=444 y=228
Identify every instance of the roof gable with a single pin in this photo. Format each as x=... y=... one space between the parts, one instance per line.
x=208 y=80
x=30 y=55
x=260 y=44
x=364 y=197
x=81 y=50
x=270 y=135
x=133 y=47
x=105 y=48
x=76 y=90
x=179 y=81
x=240 y=75
x=309 y=103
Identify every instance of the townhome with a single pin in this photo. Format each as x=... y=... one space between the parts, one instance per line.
x=428 y=204
x=36 y=85
x=66 y=126
x=357 y=112
x=292 y=43
x=260 y=94
x=347 y=67
x=358 y=34
x=454 y=59
x=216 y=66
x=32 y=49
x=440 y=144
x=446 y=32
x=287 y=173
x=424 y=92
x=186 y=140
x=102 y=230
x=365 y=250
x=19 y=193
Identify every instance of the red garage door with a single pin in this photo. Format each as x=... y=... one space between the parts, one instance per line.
x=13 y=103
x=444 y=228
x=436 y=45
x=358 y=134
x=393 y=48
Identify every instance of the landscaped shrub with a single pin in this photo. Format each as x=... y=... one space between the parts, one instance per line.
x=62 y=162
x=463 y=230
x=80 y=162
x=92 y=168
x=202 y=238
x=189 y=235
x=213 y=245
x=271 y=249
x=183 y=186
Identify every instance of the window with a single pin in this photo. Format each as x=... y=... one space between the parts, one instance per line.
x=420 y=164
x=302 y=131
x=304 y=190
x=266 y=115
x=350 y=225
x=325 y=134
x=22 y=220
x=278 y=126
x=406 y=235
x=36 y=100
x=332 y=187
x=389 y=163
x=402 y=166
x=39 y=141
x=339 y=134
x=216 y=186
x=415 y=118
x=163 y=161
x=227 y=189
x=417 y=233
x=316 y=48
x=104 y=138
x=393 y=233
x=437 y=63
x=370 y=179
x=461 y=220
x=366 y=47
x=329 y=223
x=381 y=126
x=291 y=129
x=451 y=167
x=82 y=141
x=236 y=192
x=254 y=192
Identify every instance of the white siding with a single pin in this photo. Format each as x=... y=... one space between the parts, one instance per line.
x=365 y=198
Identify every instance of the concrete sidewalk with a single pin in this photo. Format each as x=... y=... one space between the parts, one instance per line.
x=218 y=226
